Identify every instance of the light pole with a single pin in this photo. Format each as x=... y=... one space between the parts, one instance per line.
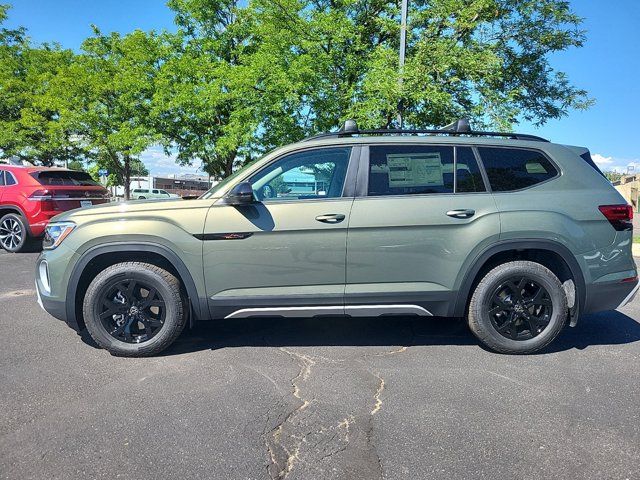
x=403 y=45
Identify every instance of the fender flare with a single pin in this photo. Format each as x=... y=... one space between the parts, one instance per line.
x=468 y=279
x=122 y=247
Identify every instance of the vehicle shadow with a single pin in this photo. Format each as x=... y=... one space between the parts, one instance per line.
x=608 y=328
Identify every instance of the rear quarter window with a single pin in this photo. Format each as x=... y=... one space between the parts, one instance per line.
x=510 y=169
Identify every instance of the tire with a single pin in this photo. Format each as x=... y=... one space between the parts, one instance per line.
x=141 y=198
x=502 y=315
x=14 y=235
x=122 y=320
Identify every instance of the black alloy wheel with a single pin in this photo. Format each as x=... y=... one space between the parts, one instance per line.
x=132 y=311
x=520 y=308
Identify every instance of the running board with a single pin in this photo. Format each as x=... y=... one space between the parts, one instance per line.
x=349 y=310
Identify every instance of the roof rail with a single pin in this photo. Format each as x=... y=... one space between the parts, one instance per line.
x=459 y=127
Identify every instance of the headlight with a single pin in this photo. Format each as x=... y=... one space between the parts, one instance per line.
x=55 y=233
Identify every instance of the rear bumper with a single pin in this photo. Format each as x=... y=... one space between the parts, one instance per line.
x=610 y=295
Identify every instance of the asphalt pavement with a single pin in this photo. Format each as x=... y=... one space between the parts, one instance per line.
x=392 y=398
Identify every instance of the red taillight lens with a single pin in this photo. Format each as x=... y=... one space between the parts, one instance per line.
x=619 y=216
x=40 y=195
x=44 y=197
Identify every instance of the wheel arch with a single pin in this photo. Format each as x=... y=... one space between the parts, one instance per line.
x=540 y=250
x=99 y=257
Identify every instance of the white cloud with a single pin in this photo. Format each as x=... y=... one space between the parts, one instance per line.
x=612 y=164
x=601 y=159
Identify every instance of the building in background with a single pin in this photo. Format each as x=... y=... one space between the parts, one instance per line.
x=183 y=185
x=187 y=185
x=628 y=187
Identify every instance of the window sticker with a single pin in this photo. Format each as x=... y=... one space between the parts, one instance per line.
x=415 y=170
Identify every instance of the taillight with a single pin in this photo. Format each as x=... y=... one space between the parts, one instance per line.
x=45 y=199
x=619 y=216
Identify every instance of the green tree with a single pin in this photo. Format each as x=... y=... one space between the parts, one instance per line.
x=613 y=176
x=484 y=59
x=115 y=179
x=29 y=126
x=105 y=94
x=77 y=165
x=200 y=105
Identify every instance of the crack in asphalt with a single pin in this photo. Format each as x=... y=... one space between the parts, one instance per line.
x=285 y=442
x=279 y=467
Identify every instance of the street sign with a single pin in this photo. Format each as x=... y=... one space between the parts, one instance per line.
x=103 y=173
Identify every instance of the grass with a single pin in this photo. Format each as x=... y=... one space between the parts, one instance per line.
x=636 y=239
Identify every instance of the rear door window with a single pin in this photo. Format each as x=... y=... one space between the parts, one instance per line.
x=64 y=177
x=510 y=169
x=410 y=170
x=1 y=178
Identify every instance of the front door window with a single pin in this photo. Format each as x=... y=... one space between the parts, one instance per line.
x=312 y=174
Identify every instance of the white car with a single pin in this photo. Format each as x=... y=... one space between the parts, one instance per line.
x=151 y=193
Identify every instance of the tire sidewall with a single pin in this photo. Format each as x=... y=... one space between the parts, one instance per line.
x=91 y=311
x=558 y=301
x=25 y=233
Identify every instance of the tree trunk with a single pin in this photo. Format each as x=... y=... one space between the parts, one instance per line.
x=127 y=177
x=228 y=164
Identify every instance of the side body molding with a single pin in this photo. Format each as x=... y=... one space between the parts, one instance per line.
x=469 y=274
x=198 y=304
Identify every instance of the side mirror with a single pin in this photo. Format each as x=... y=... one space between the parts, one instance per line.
x=241 y=194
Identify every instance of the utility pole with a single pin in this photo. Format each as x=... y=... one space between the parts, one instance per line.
x=403 y=46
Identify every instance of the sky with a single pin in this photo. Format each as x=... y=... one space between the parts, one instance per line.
x=608 y=67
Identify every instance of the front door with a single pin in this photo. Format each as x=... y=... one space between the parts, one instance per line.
x=424 y=211
x=285 y=254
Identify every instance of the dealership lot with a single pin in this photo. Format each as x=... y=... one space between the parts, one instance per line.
x=314 y=398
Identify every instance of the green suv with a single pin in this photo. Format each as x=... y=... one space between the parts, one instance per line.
x=517 y=234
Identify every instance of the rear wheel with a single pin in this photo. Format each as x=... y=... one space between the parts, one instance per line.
x=13 y=233
x=134 y=309
x=518 y=307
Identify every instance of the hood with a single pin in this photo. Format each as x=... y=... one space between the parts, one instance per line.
x=136 y=207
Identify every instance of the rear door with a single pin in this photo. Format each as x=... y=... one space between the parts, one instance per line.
x=421 y=212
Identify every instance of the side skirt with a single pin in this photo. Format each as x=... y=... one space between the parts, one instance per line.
x=323 y=310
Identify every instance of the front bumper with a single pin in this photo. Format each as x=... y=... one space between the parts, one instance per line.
x=51 y=285
x=55 y=308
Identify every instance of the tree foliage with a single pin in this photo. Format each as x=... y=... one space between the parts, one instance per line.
x=238 y=78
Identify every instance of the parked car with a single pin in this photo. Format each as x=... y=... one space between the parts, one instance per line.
x=517 y=234
x=150 y=193
x=30 y=196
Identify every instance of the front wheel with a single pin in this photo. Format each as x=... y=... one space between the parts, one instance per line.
x=134 y=309
x=518 y=307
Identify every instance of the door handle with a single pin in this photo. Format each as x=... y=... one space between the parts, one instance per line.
x=461 y=213
x=330 y=218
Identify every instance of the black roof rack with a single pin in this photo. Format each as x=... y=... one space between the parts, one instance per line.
x=459 y=127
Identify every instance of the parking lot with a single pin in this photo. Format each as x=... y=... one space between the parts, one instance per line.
x=393 y=398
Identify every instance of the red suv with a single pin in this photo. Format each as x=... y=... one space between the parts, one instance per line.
x=30 y=196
